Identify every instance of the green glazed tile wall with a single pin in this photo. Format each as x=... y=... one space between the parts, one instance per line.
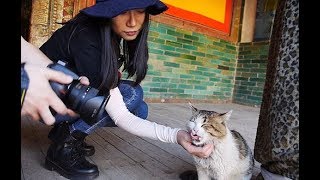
x=251 y=73
x=188 y=65
x=185 y=65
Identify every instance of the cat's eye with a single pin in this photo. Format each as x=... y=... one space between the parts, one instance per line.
x=205 y=119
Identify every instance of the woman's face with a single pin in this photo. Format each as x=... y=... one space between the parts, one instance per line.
x=128 y=24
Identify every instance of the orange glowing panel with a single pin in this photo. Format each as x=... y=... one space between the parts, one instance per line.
x=212 y=13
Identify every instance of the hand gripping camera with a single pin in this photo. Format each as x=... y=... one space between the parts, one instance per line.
x=82 y=99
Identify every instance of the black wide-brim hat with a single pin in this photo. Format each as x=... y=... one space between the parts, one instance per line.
x=112 y=8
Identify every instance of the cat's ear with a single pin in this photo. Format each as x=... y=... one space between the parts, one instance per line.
x=193 y=109
x=226 y=116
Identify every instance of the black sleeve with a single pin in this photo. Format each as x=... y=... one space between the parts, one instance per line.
x=55 y=48
x=80 y=47
x=85 y=49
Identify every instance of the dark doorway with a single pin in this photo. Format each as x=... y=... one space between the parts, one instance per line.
x=26 y=8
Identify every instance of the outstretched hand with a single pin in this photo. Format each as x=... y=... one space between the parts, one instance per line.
x=185 y=141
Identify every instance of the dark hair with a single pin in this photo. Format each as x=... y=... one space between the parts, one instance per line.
x=135 y=52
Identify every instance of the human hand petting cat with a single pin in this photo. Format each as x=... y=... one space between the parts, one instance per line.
x=184 y=139
x=124 y=119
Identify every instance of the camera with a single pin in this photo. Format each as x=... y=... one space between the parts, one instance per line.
x=82 y=99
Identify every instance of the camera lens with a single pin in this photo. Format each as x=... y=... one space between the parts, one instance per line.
x=82 y=99
x=85 y=101
x=78 y=94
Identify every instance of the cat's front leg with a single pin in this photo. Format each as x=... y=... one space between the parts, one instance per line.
x=202 y=174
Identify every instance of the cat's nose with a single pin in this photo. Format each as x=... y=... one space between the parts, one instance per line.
x=195 y=137
x=194 y=132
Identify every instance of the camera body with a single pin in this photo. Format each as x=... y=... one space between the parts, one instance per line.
x=82 y=99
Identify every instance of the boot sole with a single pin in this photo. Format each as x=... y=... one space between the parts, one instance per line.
x=51 y=166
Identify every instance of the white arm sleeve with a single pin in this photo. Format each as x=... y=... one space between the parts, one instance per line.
x=124 y=119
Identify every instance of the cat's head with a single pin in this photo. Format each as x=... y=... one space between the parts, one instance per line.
x=205 y=125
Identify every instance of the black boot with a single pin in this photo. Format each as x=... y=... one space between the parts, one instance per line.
x=64 y=155
x=86 y=149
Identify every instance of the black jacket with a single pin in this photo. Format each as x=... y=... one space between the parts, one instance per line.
x=80 y=46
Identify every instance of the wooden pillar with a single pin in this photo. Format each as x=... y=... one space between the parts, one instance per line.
x=249 y=20
x=47 y=15
x=44 y=17
x=80 y=4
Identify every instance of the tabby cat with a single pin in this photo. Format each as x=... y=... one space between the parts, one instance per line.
x=231 y=158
